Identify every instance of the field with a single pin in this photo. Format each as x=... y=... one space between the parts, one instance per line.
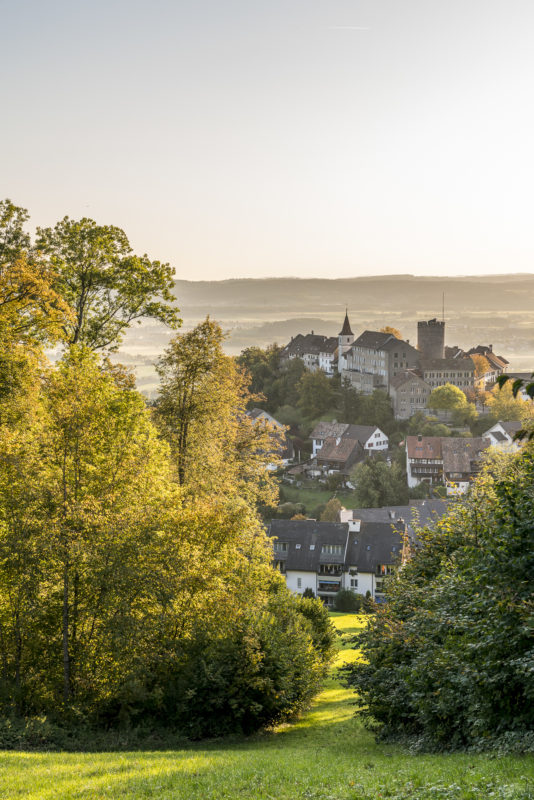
x=326 y=755
x=313 y=497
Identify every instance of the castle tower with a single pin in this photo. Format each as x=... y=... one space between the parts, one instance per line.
x=345 y=339
x=431 y=338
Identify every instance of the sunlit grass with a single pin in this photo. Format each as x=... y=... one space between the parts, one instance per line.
x=325 y=755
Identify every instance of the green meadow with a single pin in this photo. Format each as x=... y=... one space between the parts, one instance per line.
x=325 y=755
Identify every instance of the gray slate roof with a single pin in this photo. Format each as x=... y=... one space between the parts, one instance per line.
x=454 y=364
x=375 y=543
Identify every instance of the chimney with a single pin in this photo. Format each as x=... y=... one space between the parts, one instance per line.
x=355 y=525
x=391 y=514
x=419 y=437
x=312 y=333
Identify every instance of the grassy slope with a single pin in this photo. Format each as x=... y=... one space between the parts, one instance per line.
x=327 y=755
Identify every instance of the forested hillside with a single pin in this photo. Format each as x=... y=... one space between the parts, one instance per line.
x=136 y=584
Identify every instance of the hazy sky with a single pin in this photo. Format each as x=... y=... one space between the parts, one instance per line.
x=316 y=138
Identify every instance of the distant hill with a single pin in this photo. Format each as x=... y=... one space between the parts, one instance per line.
x=494 y=309
x=395 y=292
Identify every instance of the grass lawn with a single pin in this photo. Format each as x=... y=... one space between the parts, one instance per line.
x=314 y=497
x=326 y=755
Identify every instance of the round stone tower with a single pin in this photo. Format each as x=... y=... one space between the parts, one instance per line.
x=431 y=338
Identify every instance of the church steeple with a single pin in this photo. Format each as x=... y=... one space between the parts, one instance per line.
x=345 y=330
x=345 y=339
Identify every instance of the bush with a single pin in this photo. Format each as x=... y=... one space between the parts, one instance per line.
x=346 y=600
x=261 y=670
x=448 y=659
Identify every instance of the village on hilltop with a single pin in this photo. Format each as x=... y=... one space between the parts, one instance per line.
x=363 y=545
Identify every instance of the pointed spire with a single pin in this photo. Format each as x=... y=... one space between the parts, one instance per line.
x=345 y=330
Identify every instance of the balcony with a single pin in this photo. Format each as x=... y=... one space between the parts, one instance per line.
x=329 y=586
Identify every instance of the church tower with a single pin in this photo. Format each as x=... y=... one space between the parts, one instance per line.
x=345 y=340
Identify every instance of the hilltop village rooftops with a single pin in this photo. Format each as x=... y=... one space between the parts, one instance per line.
x=420 y=513
x=374 y=340
x=376 y=543
x=404 y=377
x=329 y=430
x=339 y=450
x=342 y=430
x=428 y=447
x=310 y=343
x=444 y=364
x=460 y=454
x=511 y=427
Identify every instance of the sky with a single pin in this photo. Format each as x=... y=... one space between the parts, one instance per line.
x=312 y=138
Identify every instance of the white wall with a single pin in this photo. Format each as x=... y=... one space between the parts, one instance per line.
x=307 y=580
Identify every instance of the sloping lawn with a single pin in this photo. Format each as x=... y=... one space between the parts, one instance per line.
x=326 y=755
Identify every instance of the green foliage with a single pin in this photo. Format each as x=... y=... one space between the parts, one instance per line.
x=13 y=238
x=345 y=600
x=331 y=511
x=316 y=394
x=425 y=425
x=448 y=657
x=104 y=282
x=447 y=398
x=200 y=410
x=377 y=484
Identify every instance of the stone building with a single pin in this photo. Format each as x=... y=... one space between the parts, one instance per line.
x=431 y=338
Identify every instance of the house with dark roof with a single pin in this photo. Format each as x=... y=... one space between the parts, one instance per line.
x=339 y=455
x=326 y=556
x=501 y=435
x=340 y=443
x=317 y=352
x=461 y=461
x=418 y=513
x=449 y=460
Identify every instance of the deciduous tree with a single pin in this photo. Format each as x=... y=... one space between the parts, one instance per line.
x=106 y=284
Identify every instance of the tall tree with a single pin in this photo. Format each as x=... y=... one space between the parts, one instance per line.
x=201 y=409
x=107 y=285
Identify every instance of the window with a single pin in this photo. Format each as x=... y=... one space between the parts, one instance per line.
x=280 y=547
x=299 y=583
x=312 y=547
x=298 y=546
x=332 y=549
x=354 y=583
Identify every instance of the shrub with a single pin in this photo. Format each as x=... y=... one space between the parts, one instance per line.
x=448 y=659
x=346 y=600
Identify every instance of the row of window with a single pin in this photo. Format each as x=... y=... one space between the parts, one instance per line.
x=448 y=374
x=331 y=549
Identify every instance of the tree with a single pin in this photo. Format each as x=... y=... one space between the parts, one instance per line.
x=505 y=405
x=377 y=484
x=201 y=410
x=425 y=425
x=482 y=365
x=13 y=239
x=393 y=331
x=316 y=394
x=108 y=286
x=447 y=659
x=450 y=398
x=331 y=511
x=447 y=398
